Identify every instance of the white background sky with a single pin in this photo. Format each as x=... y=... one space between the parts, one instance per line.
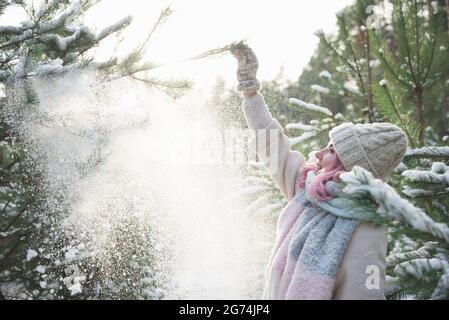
x=281 y=32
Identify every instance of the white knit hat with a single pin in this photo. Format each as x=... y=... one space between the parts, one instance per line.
x=377 y=147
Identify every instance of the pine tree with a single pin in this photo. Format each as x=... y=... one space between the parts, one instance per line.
x=405 y=85
x=353 y=48
x=50 y=44
x=388 y=62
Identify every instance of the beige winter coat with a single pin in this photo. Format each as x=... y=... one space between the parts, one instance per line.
x=362 y=273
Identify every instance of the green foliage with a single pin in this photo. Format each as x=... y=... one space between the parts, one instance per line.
x=415 y=61
x=53 y=42
x=399 y=62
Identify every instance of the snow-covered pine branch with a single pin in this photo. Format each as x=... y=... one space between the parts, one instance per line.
x=300 y=126
x=310 y=106
x=26 y=34
x=304 y=137
x=340 y=117
x=403 y=243
x=420 y=268
x=430 y=152
x=439 y=174
x=360 y=182
x=45 y=8
x=61 y=44
x=438 y=205
x=4 y=74
x=81 y=39
x=10 y=30
x=123 y=23
x=424 y=252
x=441 y=292
x=29 y=29
x=352 y=87
x=309 y=132
x=56 y=67
x=420 y=193
x=320 y=89
x=68 y=14
x=325 y=74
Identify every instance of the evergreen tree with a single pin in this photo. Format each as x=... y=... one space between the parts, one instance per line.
x=50 y=44
x=407 y=85
x=388 y=62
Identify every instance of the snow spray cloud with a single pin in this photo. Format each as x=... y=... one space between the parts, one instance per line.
x=119 y=220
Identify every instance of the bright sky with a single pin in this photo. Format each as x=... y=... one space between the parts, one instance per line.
x=281 y=32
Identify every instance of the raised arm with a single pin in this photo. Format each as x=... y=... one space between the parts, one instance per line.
x=268 y=139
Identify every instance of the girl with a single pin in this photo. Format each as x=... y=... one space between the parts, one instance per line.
x=320 y=251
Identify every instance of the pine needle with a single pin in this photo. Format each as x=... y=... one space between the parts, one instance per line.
x=218 y=51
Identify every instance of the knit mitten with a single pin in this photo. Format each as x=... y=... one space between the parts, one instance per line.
x=247 y=68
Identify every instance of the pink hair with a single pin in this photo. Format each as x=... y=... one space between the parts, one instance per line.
x=317 y=188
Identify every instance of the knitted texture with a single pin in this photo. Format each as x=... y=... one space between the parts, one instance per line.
x=255 y=115
x=247 y=69
x=309 y=250
x=377 y=147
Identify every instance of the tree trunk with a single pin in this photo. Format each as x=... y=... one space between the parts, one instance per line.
x=447 y=11
x=421 y=119
x=371 y=115
x=445 y=111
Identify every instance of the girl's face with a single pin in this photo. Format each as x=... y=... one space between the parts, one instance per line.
x=327 y=158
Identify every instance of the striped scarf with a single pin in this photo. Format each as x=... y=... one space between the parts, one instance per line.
x=312 y=237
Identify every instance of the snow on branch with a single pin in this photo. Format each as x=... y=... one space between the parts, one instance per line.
x=55 y=67
x=27 y=34
x=123 y=23
x=421 y=253
x=300 y=126
x=320 y=89
x=429 y=152
x=30 y=29
x=352 y=87
x=439 y=174
x=4 y=74
x=304 y=137
x=45 y=8
x=442 y=290
x=419 y=267
x=360 y=182
x=82 y=37
x=325 y=74
x=10 y=30
x=310 y=131
x=310 y=106
x=52 y=67
x=422 y=193
x=68 y=14
x=61 y=44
